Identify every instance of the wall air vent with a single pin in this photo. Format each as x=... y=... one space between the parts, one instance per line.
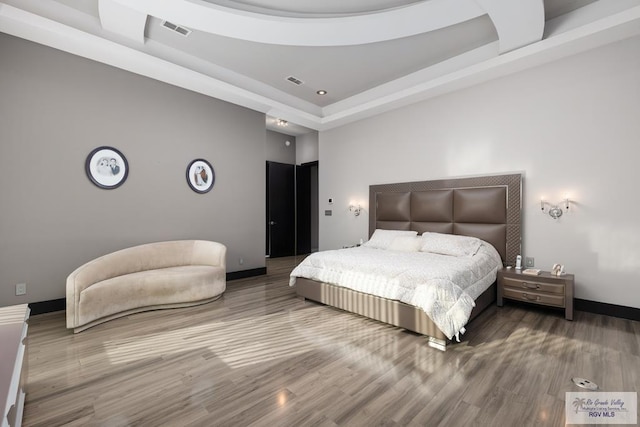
x=177 y=28
x=294 y=80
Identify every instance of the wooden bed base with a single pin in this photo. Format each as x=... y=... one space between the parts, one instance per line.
x=388 y=311
x=486 y=207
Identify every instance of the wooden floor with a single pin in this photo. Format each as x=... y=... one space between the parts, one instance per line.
x=261 y=357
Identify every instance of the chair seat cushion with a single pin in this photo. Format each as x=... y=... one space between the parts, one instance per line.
x=150 y=288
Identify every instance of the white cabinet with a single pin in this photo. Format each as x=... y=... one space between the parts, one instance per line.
x=13 y=333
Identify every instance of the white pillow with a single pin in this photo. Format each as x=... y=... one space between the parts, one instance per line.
x=381 y=239
x=450 y=244
x=406 y=244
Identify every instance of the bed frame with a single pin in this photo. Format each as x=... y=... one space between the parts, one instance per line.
x=487 y=207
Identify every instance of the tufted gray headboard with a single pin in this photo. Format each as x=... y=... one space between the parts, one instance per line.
x=487 y=207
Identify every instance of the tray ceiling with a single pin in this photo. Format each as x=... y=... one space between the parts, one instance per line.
x=369 y=55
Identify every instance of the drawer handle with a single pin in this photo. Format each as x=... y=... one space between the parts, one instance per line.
x=530 y=298
x=530 y=285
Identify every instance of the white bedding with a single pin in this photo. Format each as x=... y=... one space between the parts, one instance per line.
x=444 y=286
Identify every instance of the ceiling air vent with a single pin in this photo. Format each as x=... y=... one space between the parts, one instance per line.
x=295 y=81
x=177 y=28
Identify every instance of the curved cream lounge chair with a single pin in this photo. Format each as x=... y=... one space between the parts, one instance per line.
x=146 y=277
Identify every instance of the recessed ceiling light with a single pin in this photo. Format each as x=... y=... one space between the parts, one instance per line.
x=321 y=92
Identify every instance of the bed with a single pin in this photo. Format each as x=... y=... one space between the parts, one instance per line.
x=486 y=207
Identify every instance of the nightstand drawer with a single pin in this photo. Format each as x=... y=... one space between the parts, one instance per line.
x=522 y=283
x=534 y=297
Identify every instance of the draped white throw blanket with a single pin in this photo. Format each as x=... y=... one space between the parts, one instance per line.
x=444 y=286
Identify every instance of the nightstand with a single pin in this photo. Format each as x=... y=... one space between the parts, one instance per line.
x=543 y=289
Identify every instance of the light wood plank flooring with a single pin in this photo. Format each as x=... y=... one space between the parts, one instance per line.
x=262 y=357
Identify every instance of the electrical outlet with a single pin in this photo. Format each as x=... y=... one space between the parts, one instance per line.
x=529 y=262
x=21 y=289
x=241 y=261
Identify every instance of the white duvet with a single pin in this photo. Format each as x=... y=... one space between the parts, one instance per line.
x=445 y=287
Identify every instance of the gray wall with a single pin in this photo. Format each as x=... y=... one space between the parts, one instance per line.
x=55 y=108
x=307 y=148
x=278 y=151
x=571 y=126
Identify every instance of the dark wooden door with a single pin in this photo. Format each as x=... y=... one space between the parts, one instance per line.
x=280 y=225
x=306 y=206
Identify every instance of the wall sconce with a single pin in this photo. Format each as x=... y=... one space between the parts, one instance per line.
x=355 y=209
x=555 y=211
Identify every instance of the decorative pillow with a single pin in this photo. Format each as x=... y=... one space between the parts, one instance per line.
x=406 y=244
x=450 y=244
x=381 y=239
